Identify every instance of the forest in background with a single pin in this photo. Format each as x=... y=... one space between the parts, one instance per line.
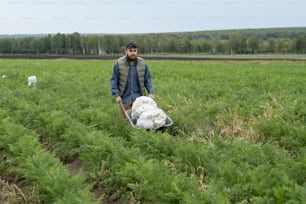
x=241 y=41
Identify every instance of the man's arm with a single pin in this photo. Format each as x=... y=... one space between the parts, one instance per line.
x=148 y=81
x=114 y=81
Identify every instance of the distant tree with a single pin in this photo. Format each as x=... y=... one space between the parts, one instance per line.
x=75 y=40
x=271 y=46
x=235 y=43
x=92 y=43
x=301 y=44
x=284 y=46
x=208 y=46
x=222 y=47
x=58 y=43
x=253 y=44
x=25 y=45
x=6 y=45
x=243 y=46
x=196 y=46
x=108 y=44
x=173 y=45
x=35 y=46
x=47 y=41
x=216 y=42
x=214 y=45
x=186 y=46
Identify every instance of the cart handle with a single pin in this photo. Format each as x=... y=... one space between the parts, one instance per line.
x=124 y=110
x=121 y=104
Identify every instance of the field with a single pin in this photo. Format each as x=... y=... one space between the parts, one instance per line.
x=239 y=134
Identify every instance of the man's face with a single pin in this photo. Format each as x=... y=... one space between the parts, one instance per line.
x=131 y=53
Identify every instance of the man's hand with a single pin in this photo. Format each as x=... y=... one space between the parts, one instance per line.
x=151 y=96
x=118 y=99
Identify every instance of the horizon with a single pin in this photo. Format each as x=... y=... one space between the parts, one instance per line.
x=218 y=30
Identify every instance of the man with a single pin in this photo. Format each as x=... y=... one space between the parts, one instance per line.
x=131 y=78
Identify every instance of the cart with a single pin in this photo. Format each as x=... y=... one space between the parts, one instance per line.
x=128 y=114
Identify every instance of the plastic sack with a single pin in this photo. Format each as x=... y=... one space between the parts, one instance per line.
x=32 y=81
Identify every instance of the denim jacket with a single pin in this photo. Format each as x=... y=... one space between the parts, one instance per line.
x=132 y=88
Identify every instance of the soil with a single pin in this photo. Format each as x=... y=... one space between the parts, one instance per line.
x=75 y=166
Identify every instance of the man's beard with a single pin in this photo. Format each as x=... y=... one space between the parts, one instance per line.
x=132 y=57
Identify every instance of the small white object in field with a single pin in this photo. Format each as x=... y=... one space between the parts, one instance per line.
x=147 y=114
x=32 y=80
x=3 y=76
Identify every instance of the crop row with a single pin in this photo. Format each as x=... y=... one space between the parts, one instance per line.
x=238 y=133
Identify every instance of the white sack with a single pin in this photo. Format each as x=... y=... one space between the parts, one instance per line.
x=32 y=80
x=147 y=114
x=142 y=104
x=152 y=119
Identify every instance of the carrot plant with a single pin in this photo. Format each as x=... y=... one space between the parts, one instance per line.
x=28 y=159
x=238 y=134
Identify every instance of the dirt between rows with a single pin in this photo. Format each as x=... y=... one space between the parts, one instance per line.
x=113 y=57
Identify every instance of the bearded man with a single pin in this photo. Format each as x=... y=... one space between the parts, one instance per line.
x=131 y=78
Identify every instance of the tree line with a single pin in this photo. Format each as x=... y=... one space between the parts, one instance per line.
x=191 y=43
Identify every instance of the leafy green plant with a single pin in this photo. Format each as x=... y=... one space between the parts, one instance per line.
x=238 y=134
x=28 y=159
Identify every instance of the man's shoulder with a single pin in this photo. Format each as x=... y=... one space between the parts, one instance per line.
x=121 y=59
x=140 y=59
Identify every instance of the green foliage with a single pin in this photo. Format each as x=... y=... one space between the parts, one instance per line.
x=241 y=41
x=28 y=159
x=238 y=134
x=152 y=180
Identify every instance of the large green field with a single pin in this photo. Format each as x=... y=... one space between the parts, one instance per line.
x=238 y=134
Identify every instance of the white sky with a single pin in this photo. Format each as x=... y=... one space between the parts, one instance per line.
x=146 y=16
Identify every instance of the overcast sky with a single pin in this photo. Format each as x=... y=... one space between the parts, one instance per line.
x=146 y=16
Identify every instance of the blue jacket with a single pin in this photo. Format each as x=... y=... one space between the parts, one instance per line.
x=132 y=89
